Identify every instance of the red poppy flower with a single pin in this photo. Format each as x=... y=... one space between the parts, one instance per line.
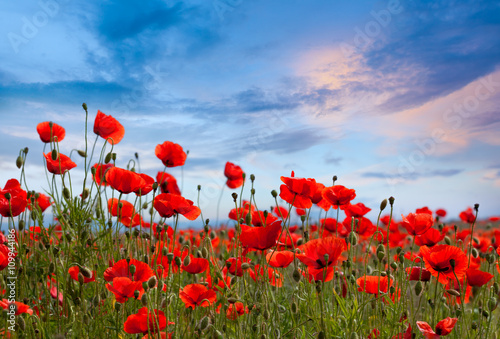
x=259 y=220
x=108 y=128
x=121 y=268
x=171 y=154
x=42 y=202
x=441 y=213
x=123 y=180
x=73 y=272
x=372 y=283
x=16 y=204
x=20 y=307
x=197 y=295
x=430 y=238
x=62 y=164
x=48 y=133
x=123 y=288
x=240 y=213
x=260 y=238
x=274 y=278
x=317 y=197
x=338 y=196
x=4 y=256
x=297 y=191
x=236 y=310
x=415 y=273
x=331 y=225
x=234 y=265
x=357 y=210
x=314 y=274
x=417 y=224
x=169 y=204
x=234 y=175
x=280 y=212
x=364 y=227
x=147 y=187
x=438 y=261
x=280 y=258
x=126 y=209
x=196 y=265
x=467 y=216
x=100 y=173
x=443 y=328
x=477 y=277
x=146 y=321
x=167 y=183
x=424 y=209
x=315 y=251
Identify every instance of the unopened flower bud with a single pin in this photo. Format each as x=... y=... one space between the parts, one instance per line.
x=453 y=292
x=19 y=162
x=274 y=193
x=383 y=204
x=81 y=153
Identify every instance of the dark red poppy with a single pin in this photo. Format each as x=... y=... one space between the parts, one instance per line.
x=357 y=210
x=438 y=261
x=142 y=271
x=62 y=163
x=430 y=238
x=123 y=288
x=108 y=128
x=234 y=175
x=314 y=252
x=169 y=204
x=41 y=202
x=297 y=191
x=123 y=180
x=279 y=259
x=236 y=310
x=146 y=321
x=443 y=328
x=258 y=219
x=417 y=224
x=196 y=265
x=20 y=307
x=477 y=277
x=416 y=273
x=50 y=133
x=260 y=238
x=197 y=295
x=171 y=154
x=100 y=173
x=441 y=213
x=338 y=196
x=73 y=272
x=167 y=183
x=372 y=284
x=468 y=216
x=16 y=203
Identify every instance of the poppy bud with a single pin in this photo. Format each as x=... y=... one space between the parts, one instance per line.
x=144 y=299
x=84 y=105
x=7 y=196
x=474 y=325
x=204 y=253
x=81 y=153
x=492 y=303
x=383 y=204
x=205 y=321
x=85 y=193
x=392 y=289
x=383 y=274
x=296 y=275
x=391 y=201
x=453 y=292
x=491 y=258
x=86 y=272
x=136 y=294
x=447 y=240
x=486 y=314
x=476 y=207
x=107 y=159
x=178 y=261
x=131 y=269
x=394 y=265
x=54 y=154
x=187 y=260
x=81 y=279
x=418 y=288
x=235 y=196
x=113 y=156
x=353 y=239
x=21 y=224
x=354 y=335
x=252 y=178
x=252 y=191
x=274 y=193
x=266 y=314
x=66 y=193
x=245 y=266
x=475 y=253
x=294 y=308
x=496 y=288
x=452 y=263
x=248 y=219
x=19 y=162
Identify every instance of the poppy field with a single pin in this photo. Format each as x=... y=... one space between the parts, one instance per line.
x=112 y=260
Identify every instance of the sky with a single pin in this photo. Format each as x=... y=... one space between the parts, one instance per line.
x=396 y=98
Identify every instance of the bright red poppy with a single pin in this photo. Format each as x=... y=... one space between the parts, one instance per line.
x=171 y=154
x=146 y=321
x=59 y=166
x=314 y=252
x=167 y=183
x=100 y=173
x=477 y=277
x=338 y=196
x=16 y=203
x=430 y=238
x=123 y=180
x=126 y=209
x=234 y=175
x=48 y=133
x=356 y=211
x=123 y=288
x=196 y=265
x=41 y=202
x=443 y=328
x=197 y=295
x=438 y=258
x=108 y=128
x=279 y=259
x=441 y=213
x=73 y=272
x=417 y=223
x=317 y=197
x=147 y=187
x=468 y=216
x=236 y=310
x=122 y=268
x=274 y=278
x=372 y=284
x=331 y=225
x=297 y=191
x=258 y=219
x=20 y=307
x=234 y=265
x=260 y=238
x=280 y=212
x=415 y=273
x=169 y=204
x=321 y=274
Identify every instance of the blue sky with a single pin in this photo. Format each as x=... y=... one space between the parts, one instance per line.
x=396 y=98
